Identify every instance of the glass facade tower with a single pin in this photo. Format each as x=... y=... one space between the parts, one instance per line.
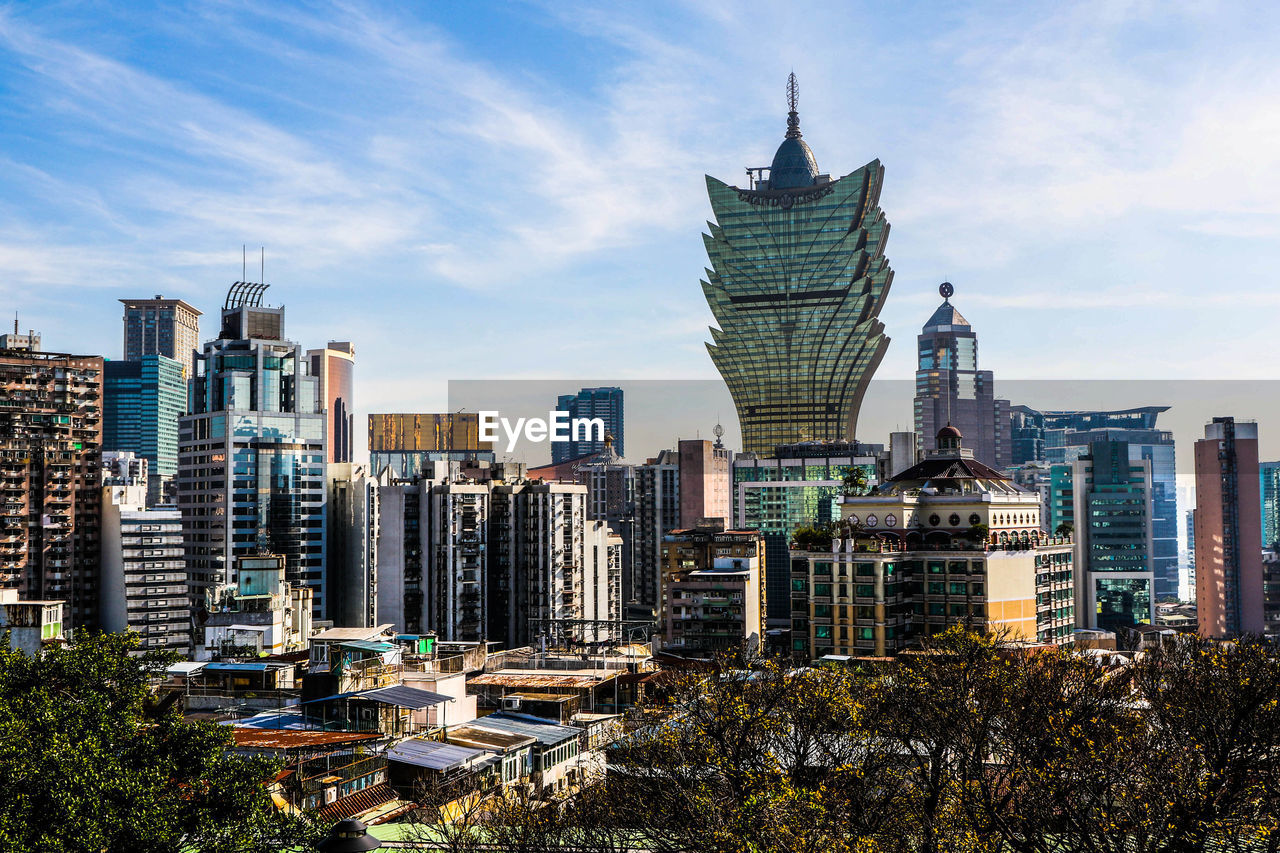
x=796 y=282
x=602 y=403
x=801 y=485
x=251 y=461
x=951 y=390
x=1269 y=494
x=1111 y=508
x=142 y=402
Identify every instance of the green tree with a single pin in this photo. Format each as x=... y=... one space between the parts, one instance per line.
x=91 y=763
x=855 y=482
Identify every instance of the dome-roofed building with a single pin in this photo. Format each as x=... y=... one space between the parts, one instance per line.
x=948 y=541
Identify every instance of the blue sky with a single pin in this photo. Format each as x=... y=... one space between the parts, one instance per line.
x=512 y=190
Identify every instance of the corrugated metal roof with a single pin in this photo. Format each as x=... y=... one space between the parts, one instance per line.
x=545 y=732
x=433 y=754
x=532 y=681
x=339 y=634
x=486 y=739
x=186 y=667
x=256 y=738
x=405 y=697
x=369 y=646
x=397 y=694
x=232 y=666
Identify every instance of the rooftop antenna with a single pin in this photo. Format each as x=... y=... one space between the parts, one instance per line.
x=793 y=101
x=244 y=261
x=262 y=269
x=15 y=324
x=947 y=289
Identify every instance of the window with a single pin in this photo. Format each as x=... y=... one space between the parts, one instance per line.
x=822 y=632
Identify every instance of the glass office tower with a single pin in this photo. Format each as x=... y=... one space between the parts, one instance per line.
x=1111 y=503
x=602 y=403
x=800 y=485
x=251 y=458
x=1269 y=494
x=142 y=402
x=797 y=280
x=952 y=391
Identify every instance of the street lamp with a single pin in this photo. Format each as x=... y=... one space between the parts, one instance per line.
x=348 y=836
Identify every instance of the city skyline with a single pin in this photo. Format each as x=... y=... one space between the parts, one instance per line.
x=1030 y=164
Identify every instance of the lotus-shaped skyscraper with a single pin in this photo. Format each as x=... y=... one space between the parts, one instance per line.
x=797 y=279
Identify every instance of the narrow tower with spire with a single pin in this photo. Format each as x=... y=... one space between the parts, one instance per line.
x=952 y=391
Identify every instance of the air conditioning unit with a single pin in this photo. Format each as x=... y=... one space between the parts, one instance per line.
x=511 y=703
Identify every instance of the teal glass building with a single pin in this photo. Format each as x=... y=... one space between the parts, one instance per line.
x=142 y=402
x=799 y=486
x=1269 y=494
x=1109 y=498
x=796 y=283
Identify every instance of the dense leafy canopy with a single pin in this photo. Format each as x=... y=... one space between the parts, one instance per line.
x=91 y=762
x=965 y=747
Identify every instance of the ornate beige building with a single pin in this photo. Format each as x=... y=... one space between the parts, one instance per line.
x=948 y=541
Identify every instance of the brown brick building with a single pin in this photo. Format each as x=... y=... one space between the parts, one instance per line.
x=50 y=435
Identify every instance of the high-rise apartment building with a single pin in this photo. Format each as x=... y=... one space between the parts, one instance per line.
x=612 y=499
x=796 y=282
x=1269 y=495
x=251 y=457
x=712 y=591
x=950 y=541
x=950 y=389
x=591 y=403
x=1230 y=593
x=50 y=438
x=494 y=556
x=334 y=367
x=657 y=514
x=144 y=579
x=1111 y=502
x=800 y=485
x=142 y=402
x=404 y=444
x=159 y=326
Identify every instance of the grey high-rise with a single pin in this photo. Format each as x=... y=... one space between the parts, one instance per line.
x=950 y=389
x=159 y=326
x=602 y=403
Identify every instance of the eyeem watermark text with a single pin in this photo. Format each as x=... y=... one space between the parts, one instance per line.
x=558 y=427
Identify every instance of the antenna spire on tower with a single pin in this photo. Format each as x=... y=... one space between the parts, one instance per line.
x=793 y=102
